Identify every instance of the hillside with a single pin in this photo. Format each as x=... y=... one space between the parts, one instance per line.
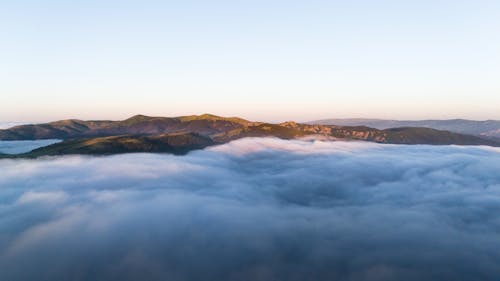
x=176 y=143
x=403 y=135
x=488 y=128
x=417 y=135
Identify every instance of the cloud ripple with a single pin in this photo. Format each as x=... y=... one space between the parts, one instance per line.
x=255 y=209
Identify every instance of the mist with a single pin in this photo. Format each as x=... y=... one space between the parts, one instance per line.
x=15 y=147
x=6 y=125
x=255 y=209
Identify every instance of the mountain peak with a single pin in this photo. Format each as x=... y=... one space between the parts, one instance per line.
x=208 y=116
x=138 y=116
x=137 y=119
x=289 y=124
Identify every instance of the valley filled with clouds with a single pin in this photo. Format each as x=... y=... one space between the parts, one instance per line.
x=16 y=147
x=255 y=209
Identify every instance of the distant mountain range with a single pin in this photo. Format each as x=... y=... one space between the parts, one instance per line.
x=181 y=134
x=6 y=125
x=488 y=128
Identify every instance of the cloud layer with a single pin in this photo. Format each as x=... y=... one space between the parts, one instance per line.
x=255 y=209
x=14 y=147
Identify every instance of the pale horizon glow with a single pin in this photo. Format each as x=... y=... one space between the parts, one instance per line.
x=260 y=60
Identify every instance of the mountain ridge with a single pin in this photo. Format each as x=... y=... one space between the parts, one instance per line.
x=141 y=133
x=137 y=124
x=485 y=128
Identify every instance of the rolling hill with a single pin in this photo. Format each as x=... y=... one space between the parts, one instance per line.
x=175 y=143
x=139 y=124
x=488 y=128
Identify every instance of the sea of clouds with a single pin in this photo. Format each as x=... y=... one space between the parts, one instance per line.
x=15 y=147
x=255 y=209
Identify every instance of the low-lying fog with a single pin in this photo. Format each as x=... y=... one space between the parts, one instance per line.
x=15 y=147
x=255 y=209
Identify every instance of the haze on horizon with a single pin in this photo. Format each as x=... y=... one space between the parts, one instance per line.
x=261 y=60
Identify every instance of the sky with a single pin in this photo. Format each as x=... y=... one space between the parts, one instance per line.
x=266 y=60
x=255 y=209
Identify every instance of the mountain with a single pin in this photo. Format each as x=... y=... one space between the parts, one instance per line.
x=179 y=135
x=488 y=128
x=139 y=124
x=403 y=135
x=260 y=130
x=176 y=143
x=419 y=135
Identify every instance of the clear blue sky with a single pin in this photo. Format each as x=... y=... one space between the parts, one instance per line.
x=263 y=60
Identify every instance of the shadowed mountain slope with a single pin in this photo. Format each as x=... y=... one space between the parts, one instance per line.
x=411 y=135
x=176 y=143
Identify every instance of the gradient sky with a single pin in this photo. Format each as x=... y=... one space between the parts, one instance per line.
x=262 y=60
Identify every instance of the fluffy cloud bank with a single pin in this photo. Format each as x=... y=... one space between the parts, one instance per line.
x=255 y=209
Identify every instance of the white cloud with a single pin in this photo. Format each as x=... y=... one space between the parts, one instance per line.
x=42 y=197
x=255 y=209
